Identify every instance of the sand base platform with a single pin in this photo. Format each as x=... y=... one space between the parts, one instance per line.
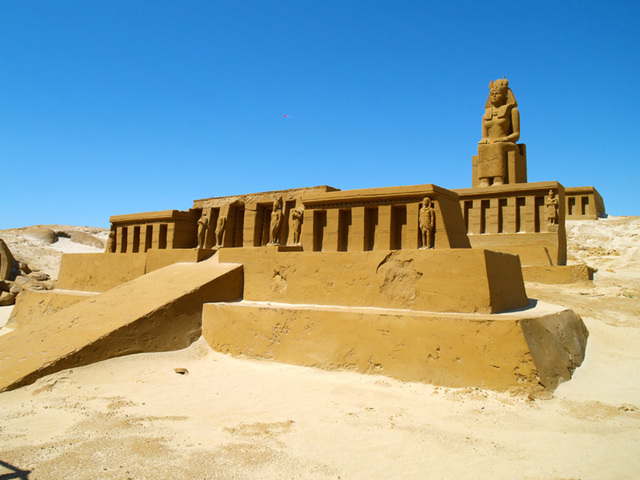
x=532 y=347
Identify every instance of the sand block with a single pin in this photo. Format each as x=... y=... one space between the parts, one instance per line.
x=449 y=280
x=558 y=273
x=540 y=345
x=32 y=305
x=161 y=258
x=99 y=272
x=159 y=311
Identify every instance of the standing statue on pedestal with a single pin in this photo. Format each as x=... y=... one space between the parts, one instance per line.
x=552 y=208
x=499 y=159
x=297 y=215
x=276 y=221
x=427 y=223
x=203 y=226
x=220 y=226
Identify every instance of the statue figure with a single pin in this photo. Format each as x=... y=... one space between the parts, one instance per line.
x=297 y=215
x=220 y=227
x=111 y=242
x=500 y=132
x=552 y=208
x=203 y=226
x=427 y=223
x=276 y=221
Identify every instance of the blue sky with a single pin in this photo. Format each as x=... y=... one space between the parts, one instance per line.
x=113 y=107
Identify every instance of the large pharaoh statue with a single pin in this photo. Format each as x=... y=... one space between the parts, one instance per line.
x=500 y=160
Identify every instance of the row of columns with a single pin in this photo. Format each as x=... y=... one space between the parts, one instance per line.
x=361 y=228
x=505 y=215
x=140 y=238
x=579 y=205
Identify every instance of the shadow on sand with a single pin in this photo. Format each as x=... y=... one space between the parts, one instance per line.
x=14 y=473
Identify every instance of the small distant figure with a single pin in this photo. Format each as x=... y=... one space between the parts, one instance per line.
x=203 y=226
x=111 y=242
x=552 y=208
x=276 y=221
x=297 y=215
x=427 y=223
x=220 y=227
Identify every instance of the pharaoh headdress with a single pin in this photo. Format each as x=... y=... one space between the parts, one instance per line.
x=511 y=99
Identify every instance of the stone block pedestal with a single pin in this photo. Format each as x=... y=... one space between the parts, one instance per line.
x=540 y=345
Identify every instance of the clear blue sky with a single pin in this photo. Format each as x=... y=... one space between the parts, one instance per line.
x=113 y=107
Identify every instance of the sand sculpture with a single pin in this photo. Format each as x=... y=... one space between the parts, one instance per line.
x=276 y=222
x=220 y=226
x=583 y=203
x=504 y=212
x=500 y=160
x=418 y=282
x=427 y=223
x=203 y=226
x=552 y=208
x=297 y=216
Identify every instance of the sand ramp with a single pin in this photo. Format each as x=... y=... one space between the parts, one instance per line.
x=159 y=311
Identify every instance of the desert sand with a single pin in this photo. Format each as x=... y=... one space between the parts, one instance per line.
x=134 y=417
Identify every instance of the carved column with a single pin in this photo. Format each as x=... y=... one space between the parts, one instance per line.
x=143 y=238
x=585 y=207
x=308 y=227
x=130 y=238
x=474 y=217
x=383 y=231
x=121 y=242
x=171 y=235
x=356 y=232
x=156 y=236
x=530 y=214
x=331 y=231
x=411 y=233
x=249 y=233
x=509 y=216
x=492 y=216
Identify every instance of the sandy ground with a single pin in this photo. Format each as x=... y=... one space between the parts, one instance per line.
x=232 y=418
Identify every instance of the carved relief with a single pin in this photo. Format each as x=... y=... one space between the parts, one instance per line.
x=220 y=228
x=297 y=215
x=203 y=226
x=276 y=222
x=427 y=223
x=500 y=132
x=552 y=208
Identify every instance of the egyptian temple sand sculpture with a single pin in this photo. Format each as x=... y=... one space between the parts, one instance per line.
x=427 y=223
x=500 y=160
x=401 y=281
